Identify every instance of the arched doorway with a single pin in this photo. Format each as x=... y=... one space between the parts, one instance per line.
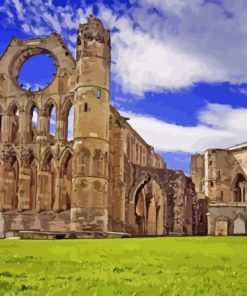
x=149 y=208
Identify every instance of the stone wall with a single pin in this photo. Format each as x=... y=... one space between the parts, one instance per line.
x=227 y=218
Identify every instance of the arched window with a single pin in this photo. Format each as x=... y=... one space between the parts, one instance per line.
x=239 y=188
x=70 y=123
x=52 y=120
x=14 y=124
x=33 y=122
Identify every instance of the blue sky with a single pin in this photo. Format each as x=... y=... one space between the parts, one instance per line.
x=179 y=68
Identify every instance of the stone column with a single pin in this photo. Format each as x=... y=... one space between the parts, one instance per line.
x=58 y=190
x=24 y=187
x=25 y=178
x=42 y=126
x=6 y=128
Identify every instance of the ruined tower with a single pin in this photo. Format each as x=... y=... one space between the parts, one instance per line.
x=91 y=125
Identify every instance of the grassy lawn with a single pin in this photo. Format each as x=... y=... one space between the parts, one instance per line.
x=154 y=266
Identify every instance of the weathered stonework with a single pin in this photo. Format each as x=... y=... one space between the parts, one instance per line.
x=220 y=177
x=107 y=178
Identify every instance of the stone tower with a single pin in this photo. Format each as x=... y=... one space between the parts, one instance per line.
x=91 y=128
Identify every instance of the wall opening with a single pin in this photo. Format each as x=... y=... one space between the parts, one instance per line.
x=33 y=122
x=70 y=123
x=42 y=68
x=239 y=188
x=52 y=120
x=14 y=124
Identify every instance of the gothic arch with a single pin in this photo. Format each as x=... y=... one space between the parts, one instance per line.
x=68 y=103
x=142 y=181
x=149 y=202
x=64 y=154
x=48 y=108
x=31 y=128
x=13 y=104
x=48 y=103
x=66 y=108
x=46 y=154
x=66 y=175
x=239 y=188
x=14 y=115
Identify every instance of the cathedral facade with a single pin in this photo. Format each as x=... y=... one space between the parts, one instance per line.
x=104 y=180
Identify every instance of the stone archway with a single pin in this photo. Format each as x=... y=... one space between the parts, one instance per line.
x=149 y=201
x=239 y=188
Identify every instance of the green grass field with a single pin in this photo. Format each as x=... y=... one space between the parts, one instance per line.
x=145 y=266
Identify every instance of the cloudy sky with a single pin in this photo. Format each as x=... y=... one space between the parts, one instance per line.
x=179 y=67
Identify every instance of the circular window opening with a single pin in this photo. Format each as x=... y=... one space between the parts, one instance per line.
x=37 y=72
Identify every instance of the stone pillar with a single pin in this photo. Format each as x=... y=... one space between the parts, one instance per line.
x=42 y=203
x=42 y=126
x=22 y=125
x=6 y=128
x=58 y=190
x=24 y=187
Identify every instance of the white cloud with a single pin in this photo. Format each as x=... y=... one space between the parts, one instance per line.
x=35 y=117
x=177 y=45
x=171 y=137
x=18 y=6
x=182 y=43
x=53 y=21
x=145 y=64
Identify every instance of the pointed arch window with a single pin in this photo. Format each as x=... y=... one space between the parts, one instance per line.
x=14 y=126
x=52 y=120
x=33 y=122
x=70 y=123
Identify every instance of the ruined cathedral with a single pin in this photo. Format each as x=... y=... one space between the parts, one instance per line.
x=106 y=180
